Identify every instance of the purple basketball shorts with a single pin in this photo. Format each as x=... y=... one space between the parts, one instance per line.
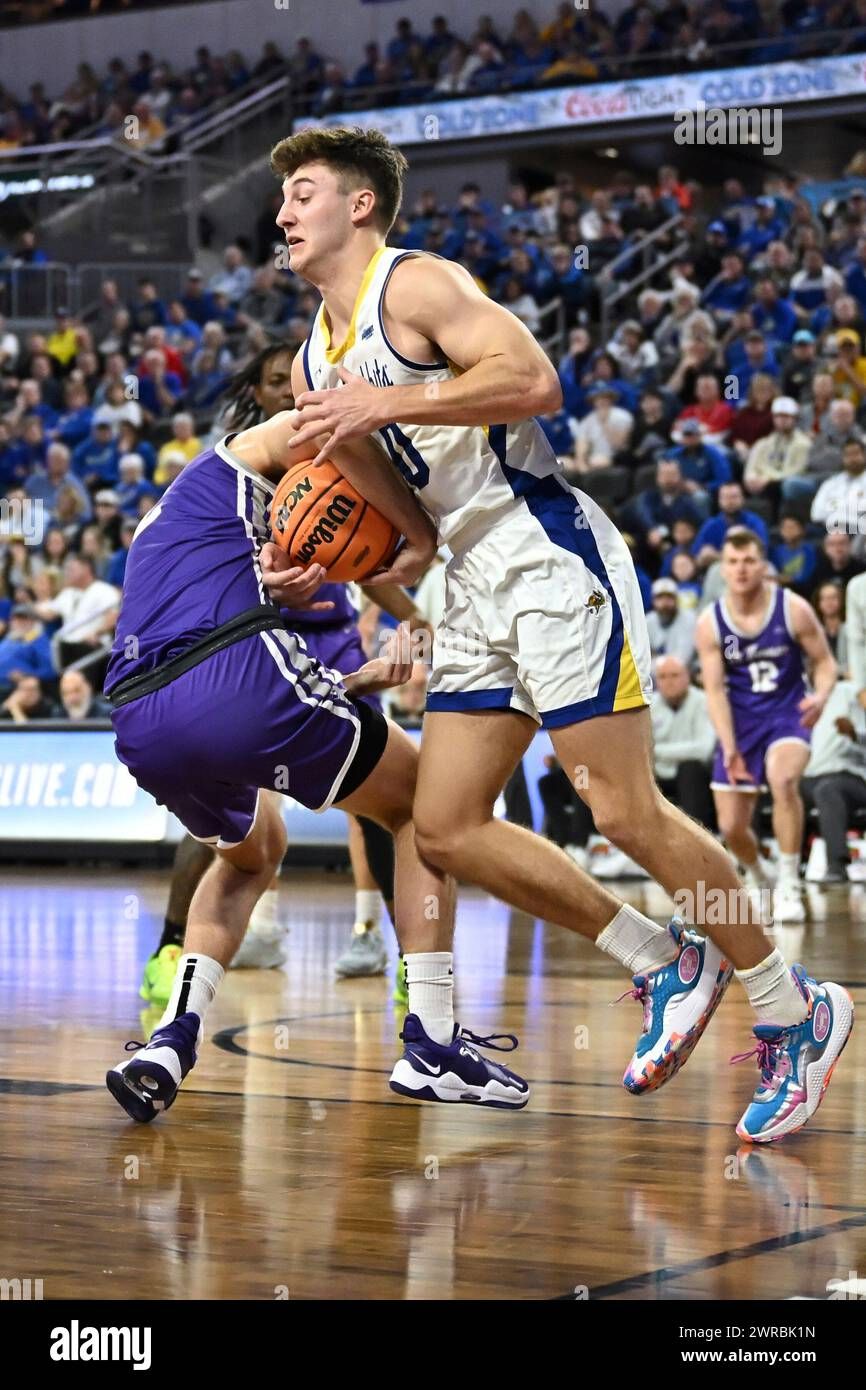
x=259 y=713
x=754 y=743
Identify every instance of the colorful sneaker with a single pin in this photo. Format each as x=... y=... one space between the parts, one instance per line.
x=796 y=1063
x=366 y=953
x=679 y=999
x=159 y=975
x=431 y=1071
x=401 y=988
x=148 y=1082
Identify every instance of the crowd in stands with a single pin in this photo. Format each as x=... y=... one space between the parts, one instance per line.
x=497 y=54
x=731 y=391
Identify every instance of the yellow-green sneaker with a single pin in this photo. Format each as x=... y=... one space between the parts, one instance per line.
x=401 y=989
x=159 y=975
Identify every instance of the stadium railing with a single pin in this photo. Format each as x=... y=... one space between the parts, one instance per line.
x=612 y=291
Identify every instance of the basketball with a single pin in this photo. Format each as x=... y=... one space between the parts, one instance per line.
x=317 y=517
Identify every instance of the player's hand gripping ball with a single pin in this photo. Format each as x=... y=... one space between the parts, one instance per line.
x=317 y=517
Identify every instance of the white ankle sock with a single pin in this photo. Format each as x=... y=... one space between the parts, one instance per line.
x=636 y=942
x=789 y=870
x=772 y=992
x=368 y=906
x=430 y=980
x=197 y=980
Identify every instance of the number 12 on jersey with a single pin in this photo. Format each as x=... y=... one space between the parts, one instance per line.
x=765 y=676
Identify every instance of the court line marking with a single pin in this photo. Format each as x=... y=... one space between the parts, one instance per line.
x=17 y=1086
x=225 y=1040
x=706 y=1262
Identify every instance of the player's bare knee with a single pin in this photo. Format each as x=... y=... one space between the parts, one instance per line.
x=437 y=844
x=625 y=824
x=785 y=786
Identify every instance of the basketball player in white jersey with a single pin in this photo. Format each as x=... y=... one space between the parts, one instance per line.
x=543 y=626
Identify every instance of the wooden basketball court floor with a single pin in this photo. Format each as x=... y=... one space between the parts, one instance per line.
x=287 y=1168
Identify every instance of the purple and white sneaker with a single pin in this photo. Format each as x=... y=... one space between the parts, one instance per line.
x=456 y=1072
x=148 y=1082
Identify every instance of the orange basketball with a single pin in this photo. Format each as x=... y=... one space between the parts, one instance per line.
x=318 y=518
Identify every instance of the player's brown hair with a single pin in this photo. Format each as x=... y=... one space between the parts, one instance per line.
x=741 y=537
x=361 y=158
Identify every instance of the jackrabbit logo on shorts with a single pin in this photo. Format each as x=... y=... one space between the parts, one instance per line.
x=77 y=1343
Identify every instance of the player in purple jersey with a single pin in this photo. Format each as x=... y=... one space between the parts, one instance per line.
x=214 y=698
x=260 y=390
x=754 y=644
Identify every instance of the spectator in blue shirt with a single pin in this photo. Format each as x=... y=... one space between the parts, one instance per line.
x=181 y=331
x=400 y=46
x=709 y=540
x=767 y=227
x=33 y=443
x=730 y=290
x=566 y=282
x=489 y=74
x=14 y=461
x=196 y=300
x=775 y=317
x=439 y=42
x=148 y=309
x=855 y=276
x=206 y=383
x=754 y=357
x=116 y=569
x=235 y=279
x=795 y=558
x=129 y=441
x=31 y=403
x=224 y=311
x=159 y=390
x=74 y=423
x=558 y=427
x=656 y=509
x=702 y=464
x=95 y=461
x=132 y=484
x=365 y=73
x=571 y=372
x=45 y=484
x=25 y=650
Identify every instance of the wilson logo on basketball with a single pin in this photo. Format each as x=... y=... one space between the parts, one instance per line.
x=317 y=516
x=689 y=962
x=326 y=528
x=821 y=1026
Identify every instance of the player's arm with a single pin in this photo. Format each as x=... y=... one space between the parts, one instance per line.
x=505 y=375
x=399 y=604
x=718 y=704
x=811 y=636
